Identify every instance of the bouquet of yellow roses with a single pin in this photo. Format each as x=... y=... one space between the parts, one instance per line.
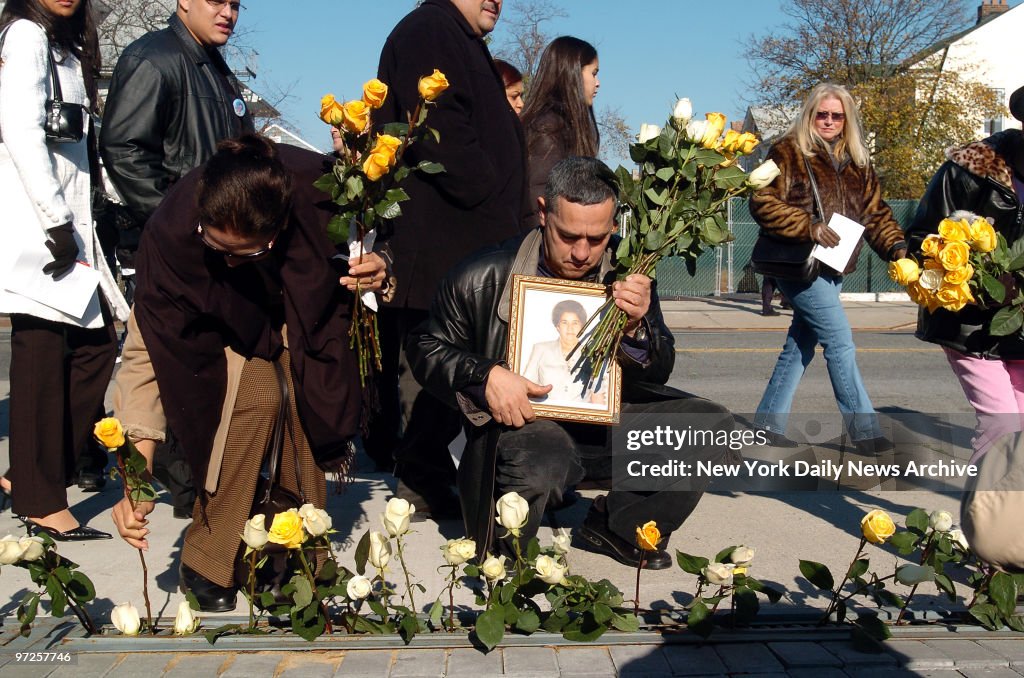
x=364 y=185
x=967 y=262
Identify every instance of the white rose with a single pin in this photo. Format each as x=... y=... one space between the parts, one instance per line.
x=458 y=551
x=549 y=570
x=931 y=279
x=648 y=132
x=397 y=515
x=185 y=622
x=959 y=538
x=719 y=574
x=314 y=520
x=513 y=512
x=695 y=130
x=741 y=556
x=11 y=550
x=764 y=174
x=941 y=521
x=561 y=540
x=493 y=568
x=125 y=619
x=914 y=574
x=32 y=549
x=254 y=534
x=681 y=114
x=380 y=550
x=358 y=587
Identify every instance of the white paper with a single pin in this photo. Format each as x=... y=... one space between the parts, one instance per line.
x=838 y=257
x=354 y=250
x=457 y=447
x=70 y=294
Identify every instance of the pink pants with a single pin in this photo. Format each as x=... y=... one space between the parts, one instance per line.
x=995 y=388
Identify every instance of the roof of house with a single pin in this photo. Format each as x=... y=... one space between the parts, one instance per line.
x=284 y=136
x=946 y=42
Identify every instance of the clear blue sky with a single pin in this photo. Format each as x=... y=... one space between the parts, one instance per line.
x=650 y=51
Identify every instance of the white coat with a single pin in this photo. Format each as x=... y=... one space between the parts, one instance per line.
x=44 y=185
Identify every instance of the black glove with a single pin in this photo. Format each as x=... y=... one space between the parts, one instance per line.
x=64 y=249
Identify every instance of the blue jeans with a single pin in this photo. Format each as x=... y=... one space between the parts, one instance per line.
x=818 y=318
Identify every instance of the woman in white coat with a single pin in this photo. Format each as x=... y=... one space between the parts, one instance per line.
x=54 y=281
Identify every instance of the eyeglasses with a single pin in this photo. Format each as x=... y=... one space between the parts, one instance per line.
x=825 y=115
x=231 y=256
x=218 y=5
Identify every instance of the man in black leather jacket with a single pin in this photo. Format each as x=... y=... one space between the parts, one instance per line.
x=459 y=352
x=172 y=98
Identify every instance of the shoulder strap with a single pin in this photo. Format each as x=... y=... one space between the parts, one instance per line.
x=814 y=189
x=276 y=443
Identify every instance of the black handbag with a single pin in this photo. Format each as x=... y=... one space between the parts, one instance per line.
x=63 y=122
x=270 y=499
x=785 y=258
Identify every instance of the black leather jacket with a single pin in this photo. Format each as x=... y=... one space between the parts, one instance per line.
x=467 y=334
x=975 y=177
x=171 y=100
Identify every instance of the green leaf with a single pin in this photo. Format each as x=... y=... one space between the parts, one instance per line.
x=28 y=608
x=730 y=177
x=1003 y=591
x=602 y=613
x=490 y=628
x=362 y=553
x=308 y=623
x=819 y=575
x=1016 y=623
x=227 y=629
x=627 y=623
x=337 y=231
x=699 y=620
x=528 y=622
x=396 y=129
x=654 y=240
x=774 y=595
x=81 y=587
x=665 y=173
x=944 y=583
x=327 y=183
x=873 y=627
x=993 y=287
x=987 y=615
x=408 y=627
x=436 y=610
x=721 y=556
x=747 y=605
x=1006 y=321
x=691 y=564
x=303 y=595
x=857 y=568
x=378 y=608
x=428 y=167
x=533 y=549
x=658 y=198
x=58 y=601
x=389 y=211
x=917 y=520
x=905 y=542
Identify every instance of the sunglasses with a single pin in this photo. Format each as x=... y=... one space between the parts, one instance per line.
x=248 y=256
x=825 y=115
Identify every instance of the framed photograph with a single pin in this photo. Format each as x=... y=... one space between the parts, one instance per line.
x=547 y=315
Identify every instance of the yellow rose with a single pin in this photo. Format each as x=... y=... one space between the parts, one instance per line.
x=904 y=271
x=716 y=123
x=740 y=144
x=983 y=236
x=877 y=526
x=731 y=141
x=431 y=86
x=960 y=275
x=388 y=146
x=954 y=297
x=109 y=432
x=957 y=231
x=356 y=116
x=286 y=529
x=931 y=245
x=374 y=93
x=331 y=110
x=648 y=536
x=376 y=165
x=954 y=255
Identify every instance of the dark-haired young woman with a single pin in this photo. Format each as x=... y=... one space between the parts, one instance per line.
x=62 y=350
x=513 y=81
x=559 y=115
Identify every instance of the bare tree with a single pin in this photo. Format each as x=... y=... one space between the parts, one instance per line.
x=912 y=108
x=523 y=37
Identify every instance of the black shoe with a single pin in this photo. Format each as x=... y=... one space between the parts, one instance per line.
x=5 y=499
x=211 y=598
x=770 y=311
x=597 y=537
x=436 y=503
x=80 y=533
x=777 y=439
x=872 y=447
x=569 y=498
x=88 y=481
x=182 y=513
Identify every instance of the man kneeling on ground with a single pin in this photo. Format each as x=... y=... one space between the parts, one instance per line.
x=459 y=354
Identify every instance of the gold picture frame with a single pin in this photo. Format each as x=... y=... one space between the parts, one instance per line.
x=536 y=348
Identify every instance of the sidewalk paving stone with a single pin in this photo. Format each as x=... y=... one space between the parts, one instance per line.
x=749 y=658
x=817 y=672
x=365 y=663
x=853 y=657
x=1013 y=650
x=804 y=654
x=917 y=655
x=582 y=661
x=885 y=672
x=141 y=664
x=86 y=665
x=249 y=665
x=1000 y=672
x=192 y=665
x=26 y=670
x=410 y=663
x=687 y=660
x=637 y=660
x=968 y=654
x=300 y=665
x=530 y=662
x=467 y=661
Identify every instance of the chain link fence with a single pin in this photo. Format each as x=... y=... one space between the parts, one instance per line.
x=726 y=269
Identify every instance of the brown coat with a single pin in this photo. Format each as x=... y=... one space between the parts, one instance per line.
x=785 y=207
